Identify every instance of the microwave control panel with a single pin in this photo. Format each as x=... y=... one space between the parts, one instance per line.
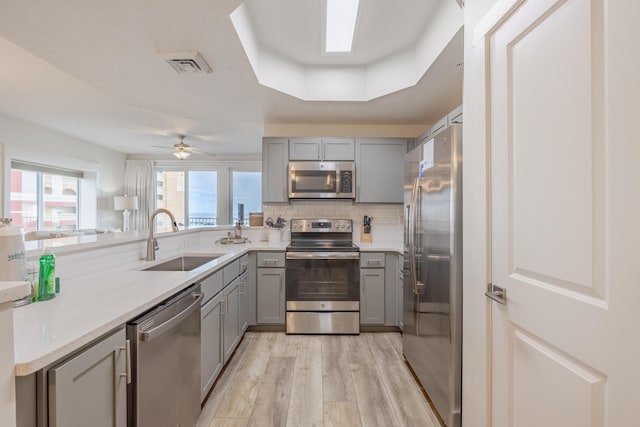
x=346 y=181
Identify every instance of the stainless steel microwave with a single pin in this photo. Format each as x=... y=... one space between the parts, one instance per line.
x=322 y=180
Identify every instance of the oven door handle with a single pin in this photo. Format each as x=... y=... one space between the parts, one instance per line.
x=323 y=255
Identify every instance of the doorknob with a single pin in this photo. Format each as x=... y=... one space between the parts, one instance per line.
x=496 y=293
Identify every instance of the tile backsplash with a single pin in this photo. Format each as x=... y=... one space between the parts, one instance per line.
x=387 y=224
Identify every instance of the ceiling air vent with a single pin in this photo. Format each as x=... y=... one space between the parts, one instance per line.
x=186 y=62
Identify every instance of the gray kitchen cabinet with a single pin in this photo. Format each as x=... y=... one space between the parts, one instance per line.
x=212 y=360
x=275 y=158
x=244 y=302
x=380 y=170
x=246 y=293
x=231 y=318
x=440 y=124
x=400 y=292
x=372 y=296
x=321 y=149
x=250 y=290
x=270 y=288
x=372 y=288
x=391 y=289
x=90 y=389
x=455 y=116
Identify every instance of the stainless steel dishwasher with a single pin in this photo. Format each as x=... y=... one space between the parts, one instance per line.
x=165 y=349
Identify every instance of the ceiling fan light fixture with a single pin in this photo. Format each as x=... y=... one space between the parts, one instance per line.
x=182 y=154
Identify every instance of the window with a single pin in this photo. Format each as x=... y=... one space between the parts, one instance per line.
x=206 y=195
x=246 y=188
x=44 y=198
x=190 y=195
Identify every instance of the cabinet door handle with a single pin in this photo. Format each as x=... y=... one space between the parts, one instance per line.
x=223 y=312
x=127 y=350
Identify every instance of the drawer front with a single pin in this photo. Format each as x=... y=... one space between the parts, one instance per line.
x=270 y=259
x=211 y=286
x=231 y=271
x=371 y=259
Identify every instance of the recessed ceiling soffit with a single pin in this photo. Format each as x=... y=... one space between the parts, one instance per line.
x=345 y=80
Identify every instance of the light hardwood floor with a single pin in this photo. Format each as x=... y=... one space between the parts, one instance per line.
x=276 y=379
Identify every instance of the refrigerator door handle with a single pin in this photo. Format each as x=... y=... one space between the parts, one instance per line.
x=412 y=235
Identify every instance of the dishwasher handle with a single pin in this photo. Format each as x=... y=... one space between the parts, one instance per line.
x=165 y=326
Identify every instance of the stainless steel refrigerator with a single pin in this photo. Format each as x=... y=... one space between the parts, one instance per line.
x=432 y=334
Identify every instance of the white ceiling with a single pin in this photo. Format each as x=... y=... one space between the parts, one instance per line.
x=91 y=69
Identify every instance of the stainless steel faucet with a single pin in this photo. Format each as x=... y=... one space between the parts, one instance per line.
x=238 y=230
x=152 y=243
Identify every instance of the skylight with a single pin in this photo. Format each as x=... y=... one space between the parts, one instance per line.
x=341 y=25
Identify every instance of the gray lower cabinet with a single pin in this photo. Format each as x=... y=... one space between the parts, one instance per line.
x=270 y=298
x=210 y=344
x=245 y=298
x=373 y=156
x=231 y=318
x=372 y=296
x=391 y=289
x=400 y=292
x=379 y=291
x=90 y=389
x=225 y=316
x=275 y=160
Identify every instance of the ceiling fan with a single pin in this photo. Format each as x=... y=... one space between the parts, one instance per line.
x=183 y=151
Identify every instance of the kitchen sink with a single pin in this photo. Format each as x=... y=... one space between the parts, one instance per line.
x=183 y=263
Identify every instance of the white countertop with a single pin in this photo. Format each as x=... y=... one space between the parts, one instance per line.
x=92 y=305
x=10 y=291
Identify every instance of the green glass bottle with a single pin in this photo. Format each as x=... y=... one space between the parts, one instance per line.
x=46 y=279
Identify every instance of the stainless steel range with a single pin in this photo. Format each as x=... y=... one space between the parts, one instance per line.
x=322 y=278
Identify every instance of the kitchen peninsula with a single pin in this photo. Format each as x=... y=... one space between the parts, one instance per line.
x=103 y=286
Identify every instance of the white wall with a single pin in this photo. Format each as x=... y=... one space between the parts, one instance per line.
x=29 y=142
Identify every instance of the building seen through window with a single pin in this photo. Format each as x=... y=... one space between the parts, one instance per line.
x=43 y=201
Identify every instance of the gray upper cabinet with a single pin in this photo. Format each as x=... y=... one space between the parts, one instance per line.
x=321 y=149
x=90 y=389
x=275 y=156
x=455 y=116
x=380 y=170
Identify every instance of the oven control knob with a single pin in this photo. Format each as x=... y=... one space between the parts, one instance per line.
x=348 y=226
x=337 y=226
x=342 y=226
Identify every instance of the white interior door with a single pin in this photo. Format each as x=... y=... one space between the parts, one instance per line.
x=565 y=190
